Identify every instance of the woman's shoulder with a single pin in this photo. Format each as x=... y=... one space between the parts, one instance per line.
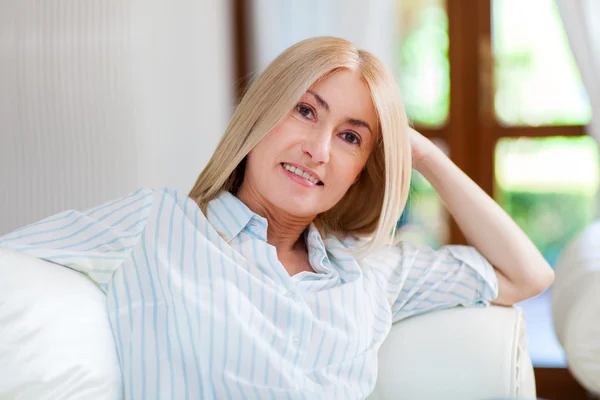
x=175 y=197
x=146 y=198
x=154 y=205
x=160 y=193
x=167 y=191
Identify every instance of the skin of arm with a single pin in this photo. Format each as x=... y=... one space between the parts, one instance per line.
x=521 y=269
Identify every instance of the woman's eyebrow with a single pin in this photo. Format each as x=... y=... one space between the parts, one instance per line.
x=319 y=99
x=359 y=122
x=351 y=121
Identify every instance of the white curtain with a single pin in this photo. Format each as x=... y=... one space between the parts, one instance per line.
x=581 y=19
x=278 y=24
x=100 y=97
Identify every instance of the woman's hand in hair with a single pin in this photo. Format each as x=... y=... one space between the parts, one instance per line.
x=421 y=148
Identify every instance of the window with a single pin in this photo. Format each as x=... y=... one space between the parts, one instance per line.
x=549 y=186
x=536 y=79
x=495 y=81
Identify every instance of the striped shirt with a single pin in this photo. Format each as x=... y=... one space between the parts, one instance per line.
x=201 y=307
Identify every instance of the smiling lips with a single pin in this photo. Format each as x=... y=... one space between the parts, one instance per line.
x=302 y=173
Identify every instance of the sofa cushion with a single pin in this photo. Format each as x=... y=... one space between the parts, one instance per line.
x=55 y=336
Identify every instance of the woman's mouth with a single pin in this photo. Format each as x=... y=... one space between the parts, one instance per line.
x=300 y=173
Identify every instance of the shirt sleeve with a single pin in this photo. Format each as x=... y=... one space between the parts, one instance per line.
x=418 y=279
x=94 y=242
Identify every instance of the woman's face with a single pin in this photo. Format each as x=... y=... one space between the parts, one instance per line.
x=305 y=165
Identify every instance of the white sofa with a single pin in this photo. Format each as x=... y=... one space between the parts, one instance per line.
x=56 y=343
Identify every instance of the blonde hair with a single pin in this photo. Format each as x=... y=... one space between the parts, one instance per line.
x=372 y=206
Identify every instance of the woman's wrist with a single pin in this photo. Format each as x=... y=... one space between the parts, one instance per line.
x=427 y=157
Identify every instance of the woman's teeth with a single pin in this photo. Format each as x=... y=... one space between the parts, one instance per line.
x=301 y=173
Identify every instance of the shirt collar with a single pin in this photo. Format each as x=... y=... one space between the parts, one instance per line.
x=229 y=216
x=317 y=251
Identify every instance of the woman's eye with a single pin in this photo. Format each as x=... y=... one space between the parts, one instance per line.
x=351 y=137
x=305 y=111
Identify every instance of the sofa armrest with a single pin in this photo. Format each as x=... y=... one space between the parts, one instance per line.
x=459 y=353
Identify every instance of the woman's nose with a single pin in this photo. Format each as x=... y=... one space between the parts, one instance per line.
x=318 y=147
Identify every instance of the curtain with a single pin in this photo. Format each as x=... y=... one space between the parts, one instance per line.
x=279 y=24
x=580 y=18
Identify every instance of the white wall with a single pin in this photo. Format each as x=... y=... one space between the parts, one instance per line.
x=100 y=97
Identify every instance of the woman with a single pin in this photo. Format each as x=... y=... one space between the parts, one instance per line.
x=279 y=275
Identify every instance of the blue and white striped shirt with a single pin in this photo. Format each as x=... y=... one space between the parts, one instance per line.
x=201 y=307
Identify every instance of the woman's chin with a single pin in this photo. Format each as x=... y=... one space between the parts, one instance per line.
x=298 y=206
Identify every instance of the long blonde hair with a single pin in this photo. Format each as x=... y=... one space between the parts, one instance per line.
x=372 y=206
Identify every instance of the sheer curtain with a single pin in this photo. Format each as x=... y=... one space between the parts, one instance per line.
x=279 y=24
x=581 y=18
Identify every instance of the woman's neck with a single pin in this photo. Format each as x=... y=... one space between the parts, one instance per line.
x=284 y=231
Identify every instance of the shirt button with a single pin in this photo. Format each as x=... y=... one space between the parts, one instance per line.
x=289 y=295
x=296 y=340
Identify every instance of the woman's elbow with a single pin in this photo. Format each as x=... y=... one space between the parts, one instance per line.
x=541 y=280
x=511 y=292
x=544 y=280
